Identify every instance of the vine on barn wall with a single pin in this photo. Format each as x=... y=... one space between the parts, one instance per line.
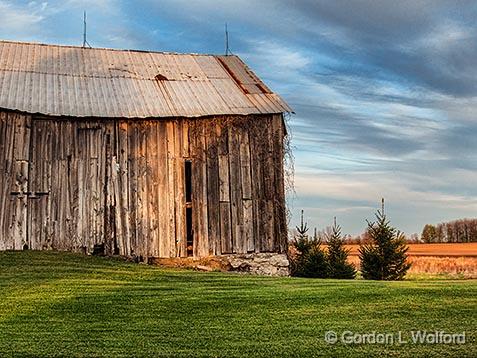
x=288 y=164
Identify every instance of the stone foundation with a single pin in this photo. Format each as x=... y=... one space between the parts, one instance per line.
x=266 y=264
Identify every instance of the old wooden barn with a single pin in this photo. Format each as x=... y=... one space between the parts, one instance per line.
x=149 y=154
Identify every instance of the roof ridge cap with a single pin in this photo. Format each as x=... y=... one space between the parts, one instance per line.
x=33 y=43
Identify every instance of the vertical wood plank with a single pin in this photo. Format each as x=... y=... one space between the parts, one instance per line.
x=226 y=246
x=247 y=239
x=205 y=250
x=193 y=148
x=70 y=183
x=6 y=200
x=247 y=236
x=225 y=228
x=132 y=180
x=20 y=183
x=245 y=164
x=162 y=175
x=281 y=236
x=54 y=234
x=256 y=150
x=179 y=189
x=199 y=188
x=153 y=188
x=109 y=165
x=47 y=142
x=171 y=177
x=123 y=196
x=185 y=138
x=236 y=210
x=213 y=190
x=115 y=202
x=223 y=161
x=142 y=192
x=81 y=166
x=4 y=184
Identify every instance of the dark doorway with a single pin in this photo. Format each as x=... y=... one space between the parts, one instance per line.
x=188 y=198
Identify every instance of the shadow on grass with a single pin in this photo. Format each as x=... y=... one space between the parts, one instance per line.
x=64 y=304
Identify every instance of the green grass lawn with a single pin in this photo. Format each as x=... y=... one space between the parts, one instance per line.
x=70 y=305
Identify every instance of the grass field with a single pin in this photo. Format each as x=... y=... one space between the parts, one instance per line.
x=69 y=305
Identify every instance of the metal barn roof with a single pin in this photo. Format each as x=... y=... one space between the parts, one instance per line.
x=84 y=82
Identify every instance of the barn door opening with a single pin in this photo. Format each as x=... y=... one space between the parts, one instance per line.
x=188 y=205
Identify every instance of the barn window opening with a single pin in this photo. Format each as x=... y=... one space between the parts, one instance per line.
x=188 y=199
x=99 y=250
x=188 y=181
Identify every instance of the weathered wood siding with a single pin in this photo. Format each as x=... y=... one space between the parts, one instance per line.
x=70 y=184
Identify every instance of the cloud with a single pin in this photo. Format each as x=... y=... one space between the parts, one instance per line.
x=18 y=21
x=284 y=58
x=104 y=5
x=357 y=195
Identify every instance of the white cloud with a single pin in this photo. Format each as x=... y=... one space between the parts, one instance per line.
x=354 y=197
x=369 y=186
x=284 y=58
x=444 y=36
x=90 y=4
x=16 y=21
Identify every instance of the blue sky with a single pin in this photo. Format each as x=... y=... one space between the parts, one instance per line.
x=385 y=92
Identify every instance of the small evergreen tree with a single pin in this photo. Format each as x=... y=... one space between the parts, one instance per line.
x=309 y=259
x=384 y=257
x=337 y=256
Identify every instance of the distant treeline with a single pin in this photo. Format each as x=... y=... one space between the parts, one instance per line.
x=463 y=230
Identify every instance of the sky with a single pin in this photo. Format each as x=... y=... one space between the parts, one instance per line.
x=384 y=92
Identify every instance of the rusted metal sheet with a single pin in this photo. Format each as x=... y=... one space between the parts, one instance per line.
x=83 y=82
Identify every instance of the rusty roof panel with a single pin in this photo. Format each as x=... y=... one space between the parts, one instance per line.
x=235 y=68
x=242 y=74
x=79 y=82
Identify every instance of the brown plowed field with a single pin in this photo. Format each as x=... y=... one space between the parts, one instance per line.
x=458 y=260
x=447 y=249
